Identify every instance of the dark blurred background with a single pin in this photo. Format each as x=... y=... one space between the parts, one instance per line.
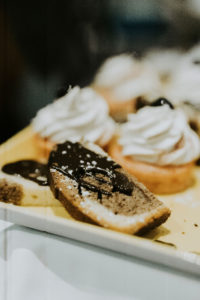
x=46 y=45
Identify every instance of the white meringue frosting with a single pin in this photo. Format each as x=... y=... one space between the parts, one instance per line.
x=81 y=113
x=127 y=78
x=145 y=84
x=116 y=69
x=185 y=86
x=159 y=135
x=164 y=61
x=185 y=83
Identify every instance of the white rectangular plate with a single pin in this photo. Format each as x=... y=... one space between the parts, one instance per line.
x=182 y=229
x=124 y=243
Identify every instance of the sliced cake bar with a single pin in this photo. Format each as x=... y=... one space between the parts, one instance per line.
x=93 y=188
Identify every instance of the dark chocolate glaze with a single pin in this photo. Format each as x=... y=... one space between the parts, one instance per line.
x=193 y=126
x=162 y=101
x=79 y=163
x=28 y=169
x=198 y=162
x=140 y=103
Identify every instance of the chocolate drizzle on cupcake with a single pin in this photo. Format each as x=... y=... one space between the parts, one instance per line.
x=162 y=101
x=90 y=170
x=141 y=102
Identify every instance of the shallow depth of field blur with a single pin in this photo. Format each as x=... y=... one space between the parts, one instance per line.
x=51 y=44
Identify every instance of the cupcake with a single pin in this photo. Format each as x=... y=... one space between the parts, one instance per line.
x=121 y=80
x=158 y=147
x=184 y=87
x=164 y=62
x=79 y=114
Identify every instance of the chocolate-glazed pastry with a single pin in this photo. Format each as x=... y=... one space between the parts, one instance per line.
x=80 y=163
x=25 y=183
x=94 y=188
x=28 y=169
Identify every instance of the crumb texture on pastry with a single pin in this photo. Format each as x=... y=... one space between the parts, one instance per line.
x=10 y=192
x=95 y=194
x=32 y=194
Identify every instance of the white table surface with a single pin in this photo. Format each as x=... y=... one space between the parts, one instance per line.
x=36 y=265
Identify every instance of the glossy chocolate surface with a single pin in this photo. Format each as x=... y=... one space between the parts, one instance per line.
x=90 y=170
x=28 y=169
x=162 y=101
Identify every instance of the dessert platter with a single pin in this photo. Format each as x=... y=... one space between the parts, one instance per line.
x=115 y=164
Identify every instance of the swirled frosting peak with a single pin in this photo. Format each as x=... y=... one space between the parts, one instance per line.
x=159 y=135
x=184 y=87
x=81 y=113
x=115 y=70
x=127 y=78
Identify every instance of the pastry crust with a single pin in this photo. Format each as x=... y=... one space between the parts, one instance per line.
x=44 y=146
x=118 y=109
x=135 y=212
x=81 y=209
x=20 y=191
x=158 y=179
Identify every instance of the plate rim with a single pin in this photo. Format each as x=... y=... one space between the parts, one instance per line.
x=127 y=244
